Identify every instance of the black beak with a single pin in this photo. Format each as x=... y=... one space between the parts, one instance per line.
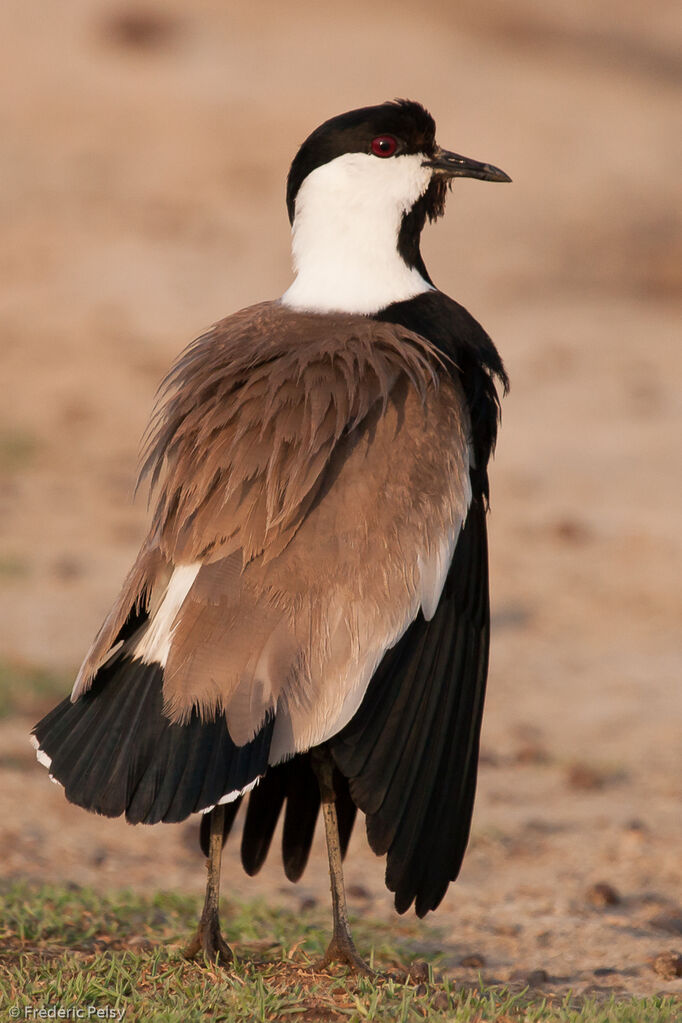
x=450 y=165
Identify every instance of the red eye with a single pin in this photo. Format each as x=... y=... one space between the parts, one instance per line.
x=384 y=145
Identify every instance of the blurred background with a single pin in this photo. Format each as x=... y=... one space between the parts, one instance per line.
x=143 y=155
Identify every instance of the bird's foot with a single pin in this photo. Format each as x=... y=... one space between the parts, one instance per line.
x=210 y=941
x=342 y=950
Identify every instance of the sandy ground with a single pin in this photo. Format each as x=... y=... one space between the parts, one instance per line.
x=143 y=163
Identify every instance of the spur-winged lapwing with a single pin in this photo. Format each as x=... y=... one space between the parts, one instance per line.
x=307 y=621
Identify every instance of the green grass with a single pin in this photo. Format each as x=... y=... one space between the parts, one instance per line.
x=72 y=948
x=29 y=689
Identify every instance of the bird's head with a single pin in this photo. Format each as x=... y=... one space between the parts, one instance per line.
x=359 y=192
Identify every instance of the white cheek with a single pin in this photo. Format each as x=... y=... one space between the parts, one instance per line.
x=345 y=236
x=390 y=185
x=380 y=189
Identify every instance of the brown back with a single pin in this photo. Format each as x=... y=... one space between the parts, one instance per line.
x=316 y=467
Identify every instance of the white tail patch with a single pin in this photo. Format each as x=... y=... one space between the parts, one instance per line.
x=155 y=643
x=41 y=755
x=42 y=758
x=230 y=797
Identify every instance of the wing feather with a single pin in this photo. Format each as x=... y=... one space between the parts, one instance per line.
x=310 y=477
x=411 y=752
x=335 y=470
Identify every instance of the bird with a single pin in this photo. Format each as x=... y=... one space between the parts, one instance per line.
x=307 y=622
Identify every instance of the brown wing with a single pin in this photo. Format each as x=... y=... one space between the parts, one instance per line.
x=312 y=477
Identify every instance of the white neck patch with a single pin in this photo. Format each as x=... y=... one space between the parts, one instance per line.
x=345 y=234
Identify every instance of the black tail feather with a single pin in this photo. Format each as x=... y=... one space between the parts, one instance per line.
x=265 y=804
x=115 y=751
x=294 y=783
x=300 y=817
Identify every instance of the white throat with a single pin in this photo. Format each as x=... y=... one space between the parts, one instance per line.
x=345 y=234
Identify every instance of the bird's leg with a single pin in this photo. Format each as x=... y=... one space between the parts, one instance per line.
x=341 y=948
x=208 y=938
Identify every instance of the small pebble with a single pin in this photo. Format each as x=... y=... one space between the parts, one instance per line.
x=532 y=979
x=474 y=961
x=635 y=834
x=440 y=1002
x=397 y=976
x=419 y=971
x=507 y=930
x=358 y=891
x=668 y=965
x=138 y=29
x=572 y=531
x=636 y=825
x=531 y=753
x=585 y=778
x=602 y=894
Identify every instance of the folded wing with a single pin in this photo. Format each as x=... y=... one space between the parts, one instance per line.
x=310 y=491
x=311 y=478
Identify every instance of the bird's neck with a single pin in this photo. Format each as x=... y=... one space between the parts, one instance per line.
x=346 y=253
